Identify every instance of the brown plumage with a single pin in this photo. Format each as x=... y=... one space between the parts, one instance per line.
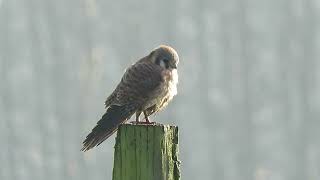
x=146 y=87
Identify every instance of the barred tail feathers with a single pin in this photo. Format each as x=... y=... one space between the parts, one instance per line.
x=107 y=125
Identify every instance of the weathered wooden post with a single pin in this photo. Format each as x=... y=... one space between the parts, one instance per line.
x=146 y=152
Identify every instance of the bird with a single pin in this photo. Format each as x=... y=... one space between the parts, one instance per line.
x=147 y=86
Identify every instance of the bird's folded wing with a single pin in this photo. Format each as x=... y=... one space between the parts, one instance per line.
x=137 y=84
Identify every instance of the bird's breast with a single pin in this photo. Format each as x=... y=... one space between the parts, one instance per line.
x=172 y=82
x=169 y=88
x=165 y=92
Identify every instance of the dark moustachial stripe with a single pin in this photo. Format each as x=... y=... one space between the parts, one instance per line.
x=165 y=61
x=158 y=61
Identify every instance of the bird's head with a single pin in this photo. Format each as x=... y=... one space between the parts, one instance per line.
x=165 y=56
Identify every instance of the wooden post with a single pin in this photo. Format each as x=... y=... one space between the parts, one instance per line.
x=146 y=152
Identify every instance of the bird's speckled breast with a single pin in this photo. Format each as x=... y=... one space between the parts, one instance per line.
x=172 y=83
x=166 y=91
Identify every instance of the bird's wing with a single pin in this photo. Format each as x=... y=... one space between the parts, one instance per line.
x=138 y=83
x=136 y=86
x=108 y=124
x=110 y=99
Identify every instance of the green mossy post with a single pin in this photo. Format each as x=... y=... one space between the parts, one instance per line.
x=146 y=152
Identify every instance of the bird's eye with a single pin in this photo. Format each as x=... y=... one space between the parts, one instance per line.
x=164 y=63
x=165 y=60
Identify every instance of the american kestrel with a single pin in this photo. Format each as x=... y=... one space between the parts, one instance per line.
x=146 y=87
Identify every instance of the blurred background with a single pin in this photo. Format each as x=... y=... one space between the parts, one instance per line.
x=249 y=90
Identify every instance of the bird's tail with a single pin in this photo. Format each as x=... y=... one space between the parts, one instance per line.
x=107 y=125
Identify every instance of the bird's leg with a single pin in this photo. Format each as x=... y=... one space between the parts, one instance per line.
x=137 y=116
x=146 y=117
x=137 y=121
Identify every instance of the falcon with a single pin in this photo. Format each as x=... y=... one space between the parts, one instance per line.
x=146 y=87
